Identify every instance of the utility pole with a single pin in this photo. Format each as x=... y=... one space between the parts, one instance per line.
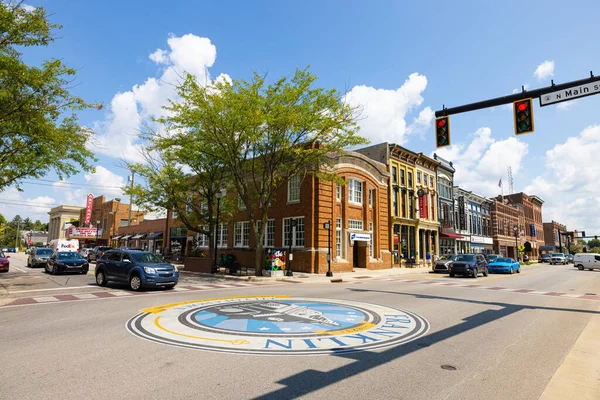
x=17 y=237
x=130 y=198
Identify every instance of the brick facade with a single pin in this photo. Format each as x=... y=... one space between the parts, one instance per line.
x=533 y=229
x=551 y=230
x=505 y=216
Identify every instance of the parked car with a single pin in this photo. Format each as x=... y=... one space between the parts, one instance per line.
x=12 y=250
x=468 y=265
x=570 y=258
x=4 y=263
x=85 y=251
x=558 y=258
x=491 y=257
x=67 y=261
x=97 y=252
x=590 y=261
x=139 y=269
x=131 y=248
x=544 y=258
x=441 y=264
x=504 y=264
x=39 y=257
x=4 y=250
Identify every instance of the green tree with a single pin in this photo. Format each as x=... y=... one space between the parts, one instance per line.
x=264 y=134
x=575 y=248
x=593 y=243
x=39 y=130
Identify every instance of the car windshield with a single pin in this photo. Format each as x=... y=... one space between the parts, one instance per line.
x=2 y=255
x=447 y=257
x=463 y=257
x=43 y=252
x=492 y=256
x=558 y=255
x=68 y=255
x=545 y=255
x=146 y=257
x=503 y=260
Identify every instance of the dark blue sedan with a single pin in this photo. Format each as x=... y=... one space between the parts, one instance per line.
x=505 y=264
x=67 y=261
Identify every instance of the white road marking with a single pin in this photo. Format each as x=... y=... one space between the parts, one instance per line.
x=85 y=296
x=45 y=299
x=19 y=269
x=121 y=293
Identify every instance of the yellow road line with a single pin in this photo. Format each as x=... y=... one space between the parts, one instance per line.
x=234 y=342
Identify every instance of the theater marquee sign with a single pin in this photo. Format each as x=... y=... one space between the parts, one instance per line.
x=277 y=325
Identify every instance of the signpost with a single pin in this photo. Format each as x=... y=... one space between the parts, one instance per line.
x=570 y=93
x=88 y=209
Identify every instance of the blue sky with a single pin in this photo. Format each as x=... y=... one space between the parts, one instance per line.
x=399 y=60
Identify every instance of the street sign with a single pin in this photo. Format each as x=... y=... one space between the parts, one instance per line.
x=365 y=237
x=570 y=93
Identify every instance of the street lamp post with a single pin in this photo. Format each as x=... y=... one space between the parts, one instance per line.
x=17 y=236
x=97 y=224
x=516 y=229
x=327 y=225
x=293 y=224
x=220 y=194
x=115 y=215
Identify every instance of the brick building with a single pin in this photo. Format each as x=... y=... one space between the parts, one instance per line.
x=506 y=217
x=357 y=211
x=551 y=238
x=532 y=226
x=108 y=217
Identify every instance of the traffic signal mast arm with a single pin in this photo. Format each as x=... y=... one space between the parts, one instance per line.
x=498 y=101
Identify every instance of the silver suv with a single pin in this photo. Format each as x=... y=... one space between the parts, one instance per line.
x=558 y=258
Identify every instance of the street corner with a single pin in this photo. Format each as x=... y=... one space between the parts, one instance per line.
x=277 y=325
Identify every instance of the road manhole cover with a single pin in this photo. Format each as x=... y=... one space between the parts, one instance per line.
x=449 y=367
x=278 y=325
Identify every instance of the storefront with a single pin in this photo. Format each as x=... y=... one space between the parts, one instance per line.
x=448 y=243
x=178 y=241
x=155 y=242
x=463 y=245
x=405 y=244
x=139 y=241
x=482 y=244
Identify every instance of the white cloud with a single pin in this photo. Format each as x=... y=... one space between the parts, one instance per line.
x=565 y=105
x=118 y=134
x=101 y=182
x=480 y=165
x=544 y=70
x=384 y=111
x=13 y=202
x=570 y=185
x=28 y=7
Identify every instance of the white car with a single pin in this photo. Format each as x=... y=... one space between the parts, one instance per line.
x=558 y=258
x=590 y=261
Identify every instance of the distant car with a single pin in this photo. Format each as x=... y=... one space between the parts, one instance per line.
x=544 y=258
x=131 y=248
x=39 y=257
x=85 y=251
x=558 y=258
x=505 y=264
x=590 y=261
x=468 y=265
x=4 y=250
x=12 y=250
x=441 y=264
x=491 y=257
x=97 y=252
x=4 y=263
x=570 y=258
x=67 y=261
x=139 y=269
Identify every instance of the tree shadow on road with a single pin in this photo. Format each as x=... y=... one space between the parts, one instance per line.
x=309 y=381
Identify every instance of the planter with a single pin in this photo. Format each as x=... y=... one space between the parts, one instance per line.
x=198 y=264
x=268 y=272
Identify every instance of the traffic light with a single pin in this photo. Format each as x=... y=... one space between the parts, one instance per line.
x=523 y=110
x=582 y=233
x=442 y=131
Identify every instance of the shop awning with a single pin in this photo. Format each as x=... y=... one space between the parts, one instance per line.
x=451 y=235
x=125 y=237
x=139 y=236
x=155 y=235
x=116 y=237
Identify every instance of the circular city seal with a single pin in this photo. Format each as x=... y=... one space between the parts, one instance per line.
x=277 y=325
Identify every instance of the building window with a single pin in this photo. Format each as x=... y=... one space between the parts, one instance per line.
x=222 y=235
x=371 y=197
x=394 y=175
x=425 y=179
x=371 y=250
x=431 y=181
x=338 y=238
x=242 y=234
x=355 y=190
x=269 y=238
x=418 y=177
x=125 y=222
x=188 y=204
x=297 y=232
x=338 y=192
x=173 y=215
x=402 y=177
x=395 y=202
x=403 y=205
x=104 y=224
x=411 y=211
x=410 y=180
x=241 y=205
x=201 y=238
x=355 y=224
x=294 y=189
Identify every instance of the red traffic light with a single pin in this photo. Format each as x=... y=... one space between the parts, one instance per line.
x=441 y=123
x=522 y=106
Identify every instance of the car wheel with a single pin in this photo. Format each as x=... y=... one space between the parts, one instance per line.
x=451 y=275
x=100 y=278
x=84 y=272
x=475 y=273
x=590 y=269
x=486 y=272
x=511 y=271
x=53 y=271
x=519 y=270
x=135 y=282
x=580 y=267
x=28 y=264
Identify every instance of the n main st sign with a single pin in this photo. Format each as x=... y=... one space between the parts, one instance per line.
x=570 y=93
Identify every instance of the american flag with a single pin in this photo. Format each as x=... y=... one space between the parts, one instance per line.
x=500 y=183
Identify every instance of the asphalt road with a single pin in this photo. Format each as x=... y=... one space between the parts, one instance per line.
x=501 y=344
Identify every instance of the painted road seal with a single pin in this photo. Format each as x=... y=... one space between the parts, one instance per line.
x=277 y=325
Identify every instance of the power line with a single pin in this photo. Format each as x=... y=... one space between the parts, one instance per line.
x=26 y=203
x=68 y=184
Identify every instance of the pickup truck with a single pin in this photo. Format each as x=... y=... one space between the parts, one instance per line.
x=558 y=258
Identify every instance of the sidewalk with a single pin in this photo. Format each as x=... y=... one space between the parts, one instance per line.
x=578 y=377
x=359 y=274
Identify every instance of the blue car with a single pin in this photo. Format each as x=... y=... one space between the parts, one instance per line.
x=139 y=269
x=504 y=264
